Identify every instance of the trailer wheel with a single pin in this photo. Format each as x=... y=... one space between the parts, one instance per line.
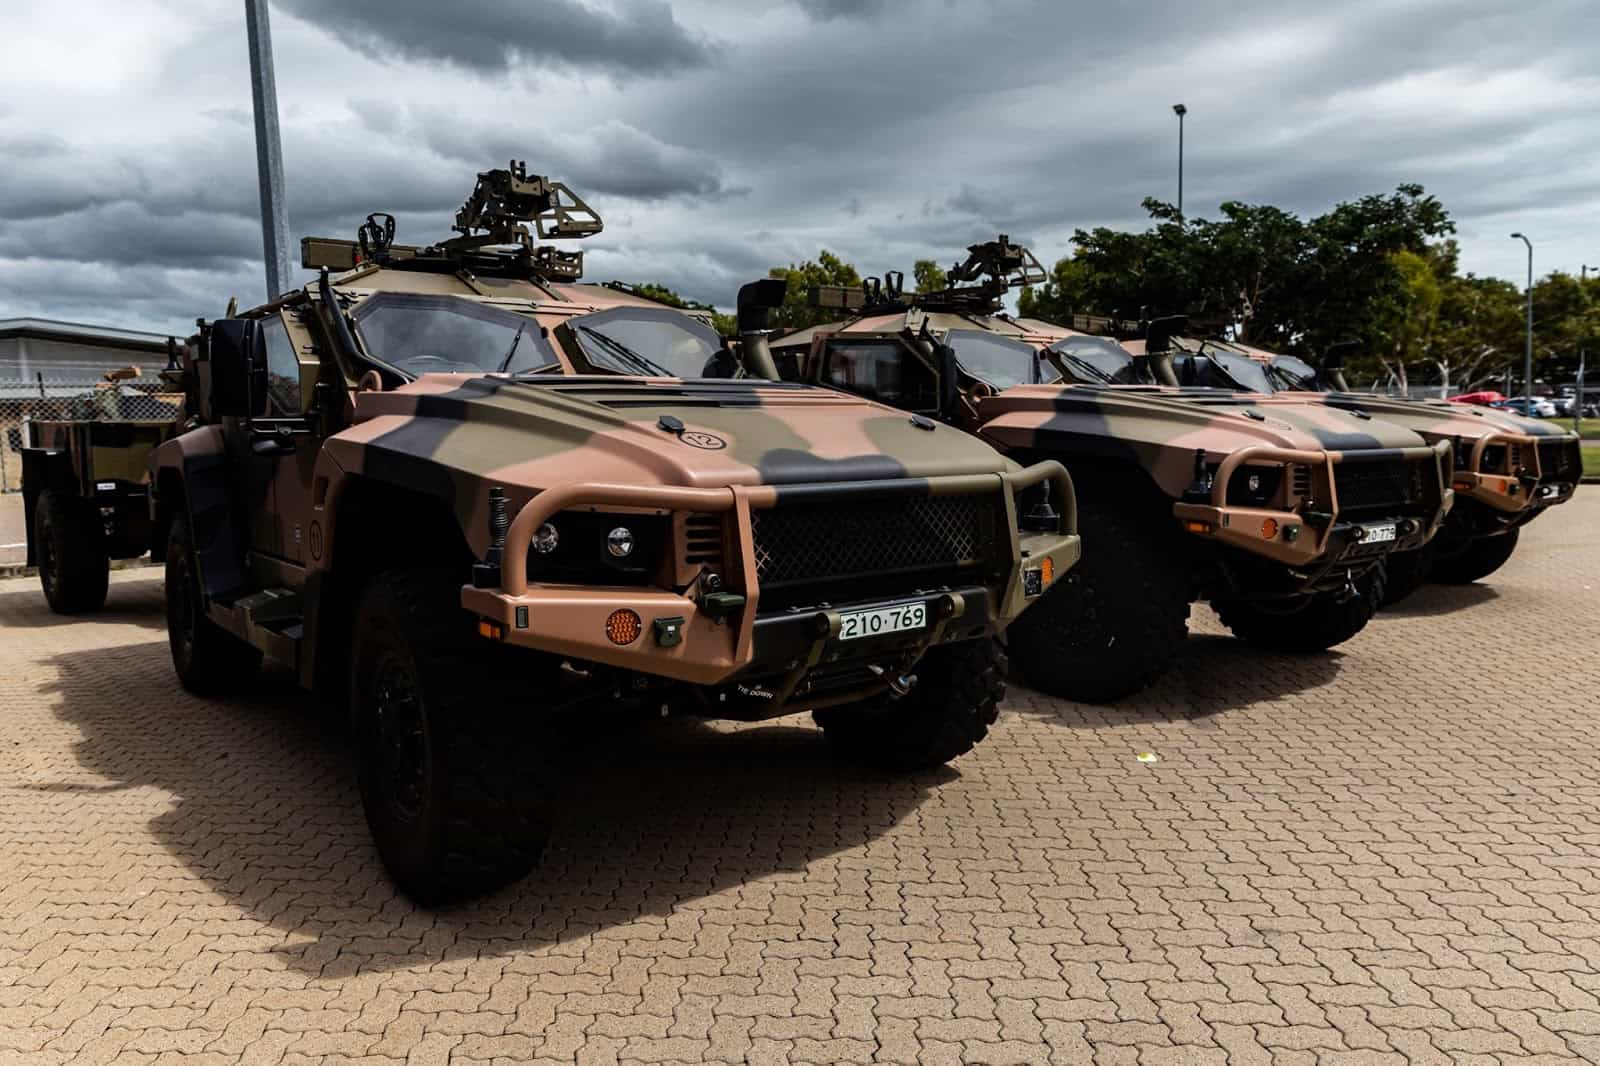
x=74 y=568
x=1309 y=623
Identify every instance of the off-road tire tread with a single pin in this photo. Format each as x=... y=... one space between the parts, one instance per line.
x=77 y=547
x=1480 y=558
x=1405 y=572
x=949 y=712
x=1125 y=568
x=1322 y=624
x=220 y=663
x=494 y=819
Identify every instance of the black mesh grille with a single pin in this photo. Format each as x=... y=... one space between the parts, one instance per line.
x=1376 y=485
x=1559 y=460
x=852 y=545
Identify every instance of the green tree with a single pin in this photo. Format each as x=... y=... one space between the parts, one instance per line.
x=725 y=325
x=929 y=276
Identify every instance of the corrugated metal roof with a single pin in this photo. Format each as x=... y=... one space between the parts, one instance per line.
x=51 y=329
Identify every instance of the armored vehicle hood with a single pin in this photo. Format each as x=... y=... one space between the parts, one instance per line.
x=1219 y=422
x=529 y=433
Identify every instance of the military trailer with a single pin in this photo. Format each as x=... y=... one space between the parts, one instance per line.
x=1278 y=511
x=464 y=493
x=1509 y=469
x=85 y=483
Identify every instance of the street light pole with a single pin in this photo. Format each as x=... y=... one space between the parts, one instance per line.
x=1583 y=336
x=1180 y=111
x=1527 y=358
x=269 y=150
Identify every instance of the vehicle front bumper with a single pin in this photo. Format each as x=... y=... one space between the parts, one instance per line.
x=1266 y=531
x=680 y=639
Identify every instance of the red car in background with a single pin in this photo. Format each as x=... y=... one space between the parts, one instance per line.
x=1480 y=399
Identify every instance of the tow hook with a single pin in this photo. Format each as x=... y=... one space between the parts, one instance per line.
x=1349 y=591
x=899 y=684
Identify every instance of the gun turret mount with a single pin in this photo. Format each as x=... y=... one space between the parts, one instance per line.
x=491 y=228
x=977 y=285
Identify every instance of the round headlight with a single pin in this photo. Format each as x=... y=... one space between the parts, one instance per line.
x=546 y=539
x=619 y=542
x=1254 y=484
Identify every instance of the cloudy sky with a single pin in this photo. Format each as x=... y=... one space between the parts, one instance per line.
x=718 y=138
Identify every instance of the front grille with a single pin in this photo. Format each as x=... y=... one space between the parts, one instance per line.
x=1301 y=485
x=1559 y=460
x=860 y=547
x=1375 y=485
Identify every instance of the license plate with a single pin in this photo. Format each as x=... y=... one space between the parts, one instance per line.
x=1378 y=534
x=853 y=625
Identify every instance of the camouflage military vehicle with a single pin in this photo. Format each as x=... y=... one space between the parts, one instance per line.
x=84 y=489
x=1508 y=469
x=470 y=494
x=1278 y=511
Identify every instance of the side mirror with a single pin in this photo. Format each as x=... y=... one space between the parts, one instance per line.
x=238 y=369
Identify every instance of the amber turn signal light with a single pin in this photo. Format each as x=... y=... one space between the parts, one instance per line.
x=623 y=626
x=1047 y=570
x=490 y=629
x=1269 y=528
x=1197 y=527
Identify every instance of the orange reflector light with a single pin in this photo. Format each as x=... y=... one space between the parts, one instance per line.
x=1197 y=527
x=1463 y=486
x=623 y=626
x=1269 y=528
x=1047 y=570
x=489 y=629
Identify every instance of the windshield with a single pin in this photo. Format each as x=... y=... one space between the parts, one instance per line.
x=997 y=361
x=1229 y=369
x=1295 y=374
x=1096 y=360
x=445 y=334
x=656 y=342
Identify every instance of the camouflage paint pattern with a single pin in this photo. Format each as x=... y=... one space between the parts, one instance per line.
x=1162 y=430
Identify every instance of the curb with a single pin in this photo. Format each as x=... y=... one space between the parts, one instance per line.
x=23 y=570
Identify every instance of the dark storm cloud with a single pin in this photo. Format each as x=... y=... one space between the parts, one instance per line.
x=882 y=131
x=827 y=10
x=491 y=36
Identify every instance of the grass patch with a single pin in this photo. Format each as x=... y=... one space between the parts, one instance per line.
x=1591 y=462
x=1588 y=428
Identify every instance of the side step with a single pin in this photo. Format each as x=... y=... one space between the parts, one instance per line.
x=269 y=619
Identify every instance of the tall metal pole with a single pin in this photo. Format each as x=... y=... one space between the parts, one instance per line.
x=269 y=150
x=1583 y=336
x=1527 y=358
x=1180 y=111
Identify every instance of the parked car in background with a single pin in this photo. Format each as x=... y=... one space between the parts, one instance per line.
x=1479 y=399
x=1532 y=407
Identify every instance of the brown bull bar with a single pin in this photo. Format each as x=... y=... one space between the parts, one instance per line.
x=1243 y=526
x=570 y=619
x=1504 y=492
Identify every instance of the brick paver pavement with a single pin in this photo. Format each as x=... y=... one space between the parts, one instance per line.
x=1389 y=854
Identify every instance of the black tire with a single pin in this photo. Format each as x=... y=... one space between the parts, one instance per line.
x=455 y=790
x=70 y=548
x=1405 y=572
x=1310 y=624
x=209 y=660
x=1481 y=557
x=1115 y=622
x=948 y=712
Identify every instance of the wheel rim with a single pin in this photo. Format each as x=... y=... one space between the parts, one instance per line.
x=47 y=561
x=399 y=739
x=183 y=607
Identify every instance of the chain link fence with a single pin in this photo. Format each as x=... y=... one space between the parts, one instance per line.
x=73 y=400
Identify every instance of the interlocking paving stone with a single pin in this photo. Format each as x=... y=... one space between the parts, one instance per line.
x=1390 y=853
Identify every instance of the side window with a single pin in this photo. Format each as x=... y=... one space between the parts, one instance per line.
x=283 y=369
x=883 y=371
